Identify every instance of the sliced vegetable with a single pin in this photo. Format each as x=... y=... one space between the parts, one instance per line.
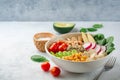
x=98 y=49
x=64 y=53
x=84 y=37
x=87 y=46
x=97 y=25
x=93 y=46
x=62 y=47
x=103 y=49
x=38 y=58
x=58 y=46
x=54 y=47
x=90 y=38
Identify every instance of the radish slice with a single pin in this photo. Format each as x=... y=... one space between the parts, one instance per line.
x=98 y=49
x=103 y=48
x=93 y=46
x=87 y=46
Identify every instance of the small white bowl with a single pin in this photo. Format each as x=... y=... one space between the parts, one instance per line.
x=76 y=67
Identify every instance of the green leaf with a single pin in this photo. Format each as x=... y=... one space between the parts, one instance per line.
x=110 y=49
x=97 y=25
x=38 y=58
x=102 y=42
x=92 y=29
x=99 y=37
x=83 y=30
x=110 y=44
x=110 y=39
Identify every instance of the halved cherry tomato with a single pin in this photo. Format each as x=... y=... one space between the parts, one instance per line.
x=45 y=66
x=55 y=71
x=59 y=42
x=62 y=47
x=54 y=47
x=58 y=46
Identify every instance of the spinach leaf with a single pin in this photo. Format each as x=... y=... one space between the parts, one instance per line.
x=97 y=26
x=110 y=49
x=110 y=44
x=99 y=37
x=101 y=42
x=38 y=58
x=110 y=39
x=92 y=29
x=83 y=30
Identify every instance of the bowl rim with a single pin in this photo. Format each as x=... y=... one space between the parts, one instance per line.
x=69 y=60
x=51 y=35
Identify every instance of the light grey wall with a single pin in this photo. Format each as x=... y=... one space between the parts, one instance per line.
x=60 y=10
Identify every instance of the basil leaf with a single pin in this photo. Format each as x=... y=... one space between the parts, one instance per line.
x=92 y=29
x=97 y=25
x=83 y=30
x=38 y=58
x=110 y=39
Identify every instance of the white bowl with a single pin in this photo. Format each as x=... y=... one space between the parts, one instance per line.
x=76 y=67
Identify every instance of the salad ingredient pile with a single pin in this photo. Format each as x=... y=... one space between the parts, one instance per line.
x=82 y=48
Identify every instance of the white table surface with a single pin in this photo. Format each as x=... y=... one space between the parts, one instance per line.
x=16 y=48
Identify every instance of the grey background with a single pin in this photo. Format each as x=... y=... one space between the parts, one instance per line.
x=59 y=10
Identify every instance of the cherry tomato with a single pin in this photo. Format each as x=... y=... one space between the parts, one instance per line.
x=58 y=46
x=55 y=71
x=45 y=66
x=62 y=47
x=59 y=42
x=54 y=47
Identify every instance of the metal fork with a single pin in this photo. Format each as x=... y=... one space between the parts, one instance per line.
x=109 y=65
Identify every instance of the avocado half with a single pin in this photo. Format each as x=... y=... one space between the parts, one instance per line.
x=63 y=27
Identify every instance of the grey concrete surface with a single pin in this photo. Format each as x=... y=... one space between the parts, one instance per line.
x=59 y=10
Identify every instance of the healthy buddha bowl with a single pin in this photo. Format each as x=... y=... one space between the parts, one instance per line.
x=80 y=52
